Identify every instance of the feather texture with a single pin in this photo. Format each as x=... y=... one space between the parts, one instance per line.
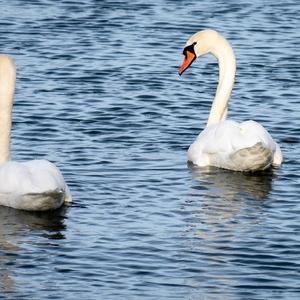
x=241 y=147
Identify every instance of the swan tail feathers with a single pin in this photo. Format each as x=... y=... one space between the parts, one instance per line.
x=277 y=160
x=251 y=159
x=68 y=197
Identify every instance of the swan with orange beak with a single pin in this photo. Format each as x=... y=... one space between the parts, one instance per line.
x=227 y=144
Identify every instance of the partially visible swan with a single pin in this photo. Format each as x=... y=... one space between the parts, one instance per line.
x=224 y=143
x=35 y=185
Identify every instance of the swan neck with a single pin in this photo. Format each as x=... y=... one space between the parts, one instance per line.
x=7 y=87
x=227 y=68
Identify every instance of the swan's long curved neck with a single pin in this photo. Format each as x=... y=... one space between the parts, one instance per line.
x=7 y=88
x=227 y=67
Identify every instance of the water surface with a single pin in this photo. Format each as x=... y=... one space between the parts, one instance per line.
x=98 y=94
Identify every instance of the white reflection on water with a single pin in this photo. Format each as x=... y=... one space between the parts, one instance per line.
x=224 y=203
x=234 y=185
x=15 y=227
x=223 y=208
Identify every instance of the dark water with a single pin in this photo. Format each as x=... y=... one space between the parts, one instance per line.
x=98 y=94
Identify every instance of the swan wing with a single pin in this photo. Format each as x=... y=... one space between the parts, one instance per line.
x=32 y=185
x=243 y=146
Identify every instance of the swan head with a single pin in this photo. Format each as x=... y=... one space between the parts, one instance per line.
x=198 y=44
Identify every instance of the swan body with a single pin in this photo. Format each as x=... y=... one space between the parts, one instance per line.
x=35 y=185
x=225 y=143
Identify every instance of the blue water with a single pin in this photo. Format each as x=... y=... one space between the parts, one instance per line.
x=98 y=94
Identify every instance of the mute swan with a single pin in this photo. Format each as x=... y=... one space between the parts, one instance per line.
x=34 y=185
x=224 y=143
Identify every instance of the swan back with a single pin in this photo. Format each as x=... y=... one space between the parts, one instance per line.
x=32 y=185
x=236 y=146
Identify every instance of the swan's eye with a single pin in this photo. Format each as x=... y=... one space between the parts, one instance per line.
x=189 y=48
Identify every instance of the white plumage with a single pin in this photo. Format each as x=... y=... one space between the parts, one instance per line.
x=236 y=146
x=224 y=143
x=35 y=185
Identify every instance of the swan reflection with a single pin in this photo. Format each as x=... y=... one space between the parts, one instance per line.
x=223 y=207
x=224 y=202
x=15 y=226
x=233 y=185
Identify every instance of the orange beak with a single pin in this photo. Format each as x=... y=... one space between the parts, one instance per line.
x=189 y=58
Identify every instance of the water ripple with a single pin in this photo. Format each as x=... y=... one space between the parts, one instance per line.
x=98 y=94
